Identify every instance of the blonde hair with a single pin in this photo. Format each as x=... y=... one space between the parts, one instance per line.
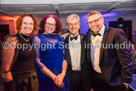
x=73 y=16
x=94 y=12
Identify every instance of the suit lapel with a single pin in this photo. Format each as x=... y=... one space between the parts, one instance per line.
x=67 y=50
x=89 y=43
x=104 y=41
x=82 y=49
x=89 y=37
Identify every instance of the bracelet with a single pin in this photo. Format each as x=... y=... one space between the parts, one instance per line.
x=6 y=71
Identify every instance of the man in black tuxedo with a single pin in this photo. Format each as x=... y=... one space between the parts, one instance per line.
x=111 y=63
x=78 y=68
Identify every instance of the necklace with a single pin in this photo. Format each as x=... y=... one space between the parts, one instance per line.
x=27 y=40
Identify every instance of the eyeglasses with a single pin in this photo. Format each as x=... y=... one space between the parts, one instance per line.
x=50 y=24
x=94 y=21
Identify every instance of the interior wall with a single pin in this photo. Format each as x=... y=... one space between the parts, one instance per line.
x=84 y=26
x=64 y=22
x=11 y=25
x=132 y=18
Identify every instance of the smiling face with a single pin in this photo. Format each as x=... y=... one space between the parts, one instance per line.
x=50 y=25
x=73 y=26
x=95 y=22
x=27 y=25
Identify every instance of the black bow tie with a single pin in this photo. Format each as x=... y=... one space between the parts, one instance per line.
x=96 y=34
x=71 y=38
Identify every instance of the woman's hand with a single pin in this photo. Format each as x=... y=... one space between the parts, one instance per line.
x=58 y=83
x=59 y=79
x=7 y=76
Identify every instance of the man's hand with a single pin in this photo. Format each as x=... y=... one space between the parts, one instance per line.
x=65 y=35
x=126 y=85
x=91 y=89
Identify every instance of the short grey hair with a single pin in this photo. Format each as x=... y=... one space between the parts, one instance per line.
x=73 y=16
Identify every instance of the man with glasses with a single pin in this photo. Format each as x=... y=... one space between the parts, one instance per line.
x=111 y=65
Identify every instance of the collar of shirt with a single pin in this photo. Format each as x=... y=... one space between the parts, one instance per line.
x=75 y=41
x=101 y=31
x=74 y=36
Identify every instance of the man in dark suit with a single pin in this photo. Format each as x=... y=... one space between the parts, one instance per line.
x=112 y=63
x=78 y=68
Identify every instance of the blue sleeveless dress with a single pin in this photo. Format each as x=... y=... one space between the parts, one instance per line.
x=51 y=49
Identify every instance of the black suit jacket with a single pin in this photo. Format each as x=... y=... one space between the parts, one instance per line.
x=85 y=67
x=115 y=63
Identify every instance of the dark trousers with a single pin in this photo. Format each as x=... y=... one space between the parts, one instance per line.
x=76 y=83
x=101 y=85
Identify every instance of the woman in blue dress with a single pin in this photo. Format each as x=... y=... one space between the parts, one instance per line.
x=50 y=61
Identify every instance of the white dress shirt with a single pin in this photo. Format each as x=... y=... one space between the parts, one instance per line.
x=75 y=53
x=95 y=50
